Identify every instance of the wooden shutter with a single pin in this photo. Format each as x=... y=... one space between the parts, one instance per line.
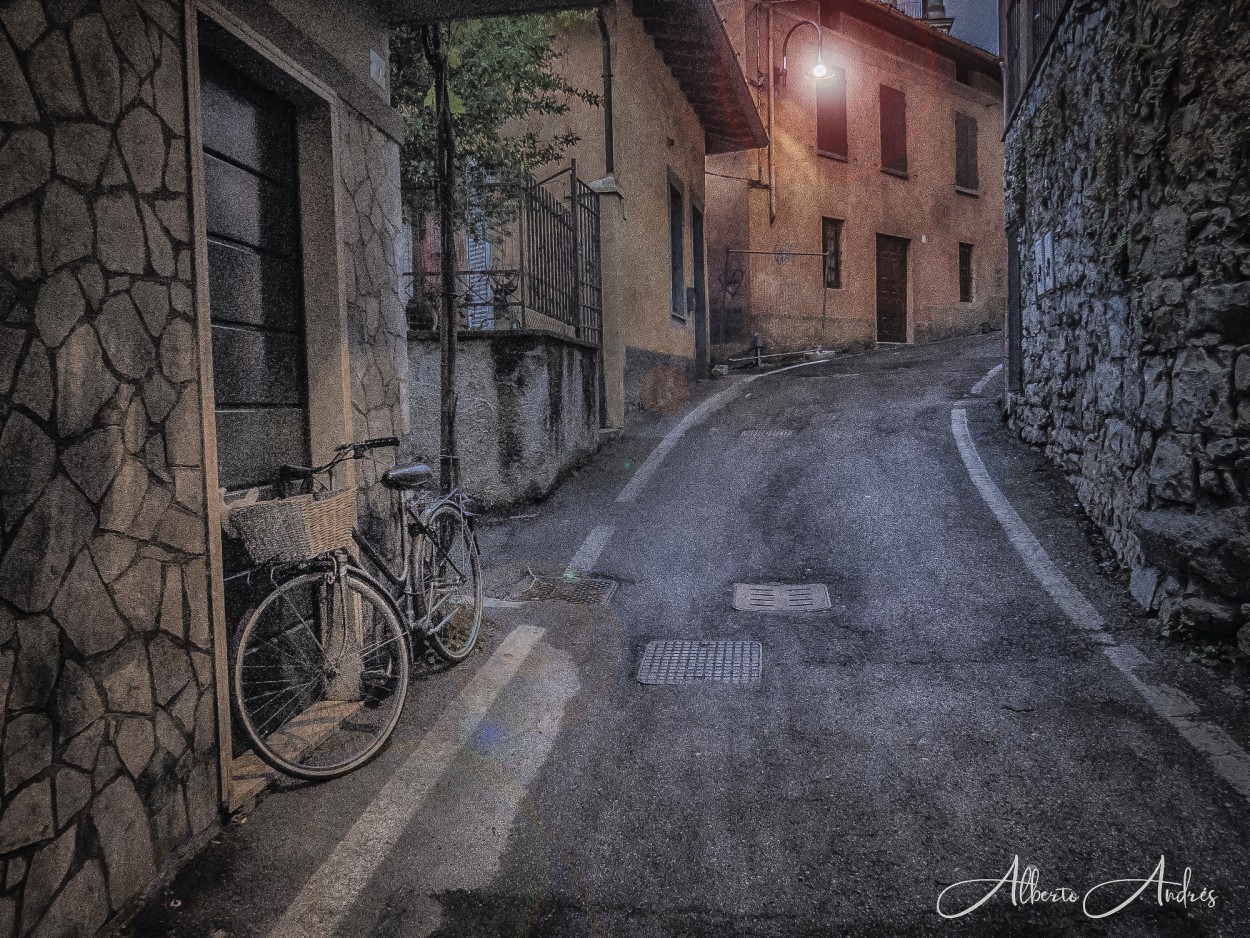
x=831 y=136
x=967 y=174
x=893 y=130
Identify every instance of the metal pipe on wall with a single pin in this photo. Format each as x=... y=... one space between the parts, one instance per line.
x=609 y=150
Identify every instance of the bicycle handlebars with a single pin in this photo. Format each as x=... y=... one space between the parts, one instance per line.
x=346 y=451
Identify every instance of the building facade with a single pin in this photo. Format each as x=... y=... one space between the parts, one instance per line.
x=673 y=93
x=876 y=213
x=1128 y=212
x=199 y=216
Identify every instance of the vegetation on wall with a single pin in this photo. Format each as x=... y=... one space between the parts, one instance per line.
x=502 y=72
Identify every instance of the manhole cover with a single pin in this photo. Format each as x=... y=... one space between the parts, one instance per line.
x=765 y=433
x=678 y=662
x=570 y=588
x=781 y=597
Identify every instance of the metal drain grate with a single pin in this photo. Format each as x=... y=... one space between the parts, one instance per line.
x=765 y=433
x=781 y=597
x=677 y=662
x=569 y=588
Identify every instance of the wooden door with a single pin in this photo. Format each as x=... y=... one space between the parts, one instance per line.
x=891 y=289
x=255 y=278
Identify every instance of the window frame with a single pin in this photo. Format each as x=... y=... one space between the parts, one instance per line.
x=896 y=122
x=967 y=274
x=964 y=123
x=677 y=249
x=836 y=113
x=837 y=225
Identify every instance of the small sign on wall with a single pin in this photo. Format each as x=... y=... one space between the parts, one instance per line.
x=1044 y=263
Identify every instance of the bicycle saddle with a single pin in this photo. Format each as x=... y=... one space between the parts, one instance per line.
x=416 y=476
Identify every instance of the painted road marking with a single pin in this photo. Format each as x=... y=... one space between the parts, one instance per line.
x=328 y=895
x=989 y=376
x=592 y=547
x=1225 y=755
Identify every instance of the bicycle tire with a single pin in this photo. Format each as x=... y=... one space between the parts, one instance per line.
x=456 y=634
x=337 y=714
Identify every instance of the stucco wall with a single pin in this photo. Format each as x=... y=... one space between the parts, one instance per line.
x=656 y=132
x=783 y=298
x=527 y=410
x=1130 y=152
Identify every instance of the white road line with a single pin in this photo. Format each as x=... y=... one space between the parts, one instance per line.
x=490 y=602
x=328 y=895
x=1068 y=597
x=592 y=547
x=1225 y=755
x=989 y=376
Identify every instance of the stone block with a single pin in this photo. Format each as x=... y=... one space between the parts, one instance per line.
x=73 y=792
x=171 y=670
x=27 y=819
x=83 y=748
x=25 y=164
x=1213 y=543
x=112 y=554
x=159 y=396
x=135 y=743
x=196 y=583
x=202 y=805
x=47 y=872
x=137 y=594
x=17 y=104
x=189 y=489
x=183 y=709
x=126 y=497
x=59 y=308
x=1241 y=375
x=169 y=736
x=12 y=341
x=125 y=340
x=178 y=351
x=107 y=767
x=97 y=63
x=27 y=748
x=54 y=531
x=129 y=32
x=152 y=299
x=81 y=908
x=173 y=216
x=38 y=663
x=119 y=233
x=171 y=615
x=52 y=77
x=18 y=254
x=1223 y=309
x=80 y=150
x=83 y=381
x=1203 y=618
x=93 y=461
x=182 y=531
x=126 y=677
x=1173 y=471
x=160 y=250
x=34 y=382
x=64 y=226
x=184 y=430
x=85 y=612
x=1199 y=389
x=78 y=706
x=27 y=462
x=121 y=824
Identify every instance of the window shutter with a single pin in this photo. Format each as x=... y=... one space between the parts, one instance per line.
x=893 y=130
x=831 y=136
x=967 y=174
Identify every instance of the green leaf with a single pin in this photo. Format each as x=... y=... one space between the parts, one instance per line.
x=455 y=103
x=429 y=97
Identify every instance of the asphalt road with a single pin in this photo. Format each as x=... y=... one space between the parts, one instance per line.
x=942 y=718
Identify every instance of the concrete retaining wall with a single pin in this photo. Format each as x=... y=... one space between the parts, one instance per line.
x=528 y=410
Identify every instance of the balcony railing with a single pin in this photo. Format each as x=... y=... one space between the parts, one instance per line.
x=1031 y=25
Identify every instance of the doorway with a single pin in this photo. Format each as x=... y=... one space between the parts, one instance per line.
x=891 y=289
x=701 y=358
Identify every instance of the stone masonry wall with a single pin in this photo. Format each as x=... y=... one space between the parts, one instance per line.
x=1132 y=151
x=377 y=326
x=108 y=723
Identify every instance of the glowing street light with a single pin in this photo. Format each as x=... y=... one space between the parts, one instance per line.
x=819 y=70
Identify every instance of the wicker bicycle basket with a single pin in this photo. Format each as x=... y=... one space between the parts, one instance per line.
x=287 y=530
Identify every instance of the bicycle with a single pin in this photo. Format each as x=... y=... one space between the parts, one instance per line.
x=320 y=665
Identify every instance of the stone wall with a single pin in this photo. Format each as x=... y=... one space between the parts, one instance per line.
x=527 y=410
x=1132 y=151
x=108 y=721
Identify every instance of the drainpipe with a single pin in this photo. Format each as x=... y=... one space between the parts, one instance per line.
x=772 y=97
x=609 y=150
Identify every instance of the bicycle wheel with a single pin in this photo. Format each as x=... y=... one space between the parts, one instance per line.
x=451 y=583
x=321 y=673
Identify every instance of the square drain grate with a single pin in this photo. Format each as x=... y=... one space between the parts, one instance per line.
x=678 y=662
x=569 y=588
x=756 y=434
x=781 y=597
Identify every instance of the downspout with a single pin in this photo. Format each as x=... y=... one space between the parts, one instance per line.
x=772 y=97
x=609 y=150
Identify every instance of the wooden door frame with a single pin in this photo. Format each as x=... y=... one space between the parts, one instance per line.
x=908 y=319
x=698 y=273
x=325 y=299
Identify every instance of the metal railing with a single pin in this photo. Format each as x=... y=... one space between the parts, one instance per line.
x=913 y=8
x=1031 y=25
x=549 y=274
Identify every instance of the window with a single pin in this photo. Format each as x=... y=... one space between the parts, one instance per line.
x=677 y=250
x=893 y=131
x=832 y=246
x=967 y=174
x=831 y=114
x=965 y=273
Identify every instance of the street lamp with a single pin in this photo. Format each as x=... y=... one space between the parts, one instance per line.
x=819 y=70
